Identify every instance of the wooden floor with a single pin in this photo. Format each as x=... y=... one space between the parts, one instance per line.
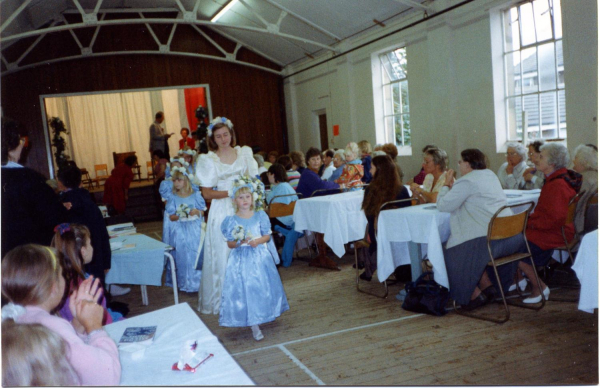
x=334 y=335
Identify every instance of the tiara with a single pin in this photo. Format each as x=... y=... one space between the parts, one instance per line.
x=218 y=120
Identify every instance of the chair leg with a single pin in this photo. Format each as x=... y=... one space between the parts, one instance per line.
x=385 y=285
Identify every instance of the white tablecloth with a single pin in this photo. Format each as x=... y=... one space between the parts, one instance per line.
x=586 y=268
x=337 y=216
x=422 y=224
x=176 y=324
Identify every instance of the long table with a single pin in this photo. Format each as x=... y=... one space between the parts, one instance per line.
x=400 y=229
x=586 y=268
x=176 y=324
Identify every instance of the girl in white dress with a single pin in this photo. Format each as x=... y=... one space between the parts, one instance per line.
x=216 y=172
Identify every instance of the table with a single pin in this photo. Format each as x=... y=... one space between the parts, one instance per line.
x=586 y=268
x=423 y=224
x=338 y=216
x=143 y=264
x=176 y=324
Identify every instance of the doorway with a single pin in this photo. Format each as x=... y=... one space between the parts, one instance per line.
x=323 y=130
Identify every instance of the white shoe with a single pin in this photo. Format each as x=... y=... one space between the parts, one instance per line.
x=522 y=285
x=256 y=333
x=538 y=299
x=118 y=290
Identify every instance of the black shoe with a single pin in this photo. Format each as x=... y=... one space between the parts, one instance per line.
x=490 y=293
x=364 y=276
x=479 y=301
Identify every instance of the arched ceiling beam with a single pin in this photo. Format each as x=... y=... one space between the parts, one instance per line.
x=14 y=15
x=412 y=3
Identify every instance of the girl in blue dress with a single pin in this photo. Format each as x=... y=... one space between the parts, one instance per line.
x=185 y=208
x=252 y=290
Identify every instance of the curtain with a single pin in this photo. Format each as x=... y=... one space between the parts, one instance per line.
x=57 y=107
x=193 y=98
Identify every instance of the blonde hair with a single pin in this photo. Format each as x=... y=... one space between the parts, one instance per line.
x=365 y=147
x=28 y=274
x=243 y=190
x=353 y=149
x=33 y=355
x=187 y=185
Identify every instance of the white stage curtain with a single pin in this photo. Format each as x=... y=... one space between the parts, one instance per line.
x=101 y=124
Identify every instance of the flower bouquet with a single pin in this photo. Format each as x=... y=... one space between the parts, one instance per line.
x=183 y=212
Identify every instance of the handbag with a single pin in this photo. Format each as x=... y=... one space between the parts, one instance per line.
x=426 y=296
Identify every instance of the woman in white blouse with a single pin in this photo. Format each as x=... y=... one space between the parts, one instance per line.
x=435 y=164
x=472 y=201
x=216 y=172
x=511 y=171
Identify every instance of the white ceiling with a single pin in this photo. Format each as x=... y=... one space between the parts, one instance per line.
x=306 y=27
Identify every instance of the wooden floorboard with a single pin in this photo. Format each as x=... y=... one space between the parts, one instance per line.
x=339 y=336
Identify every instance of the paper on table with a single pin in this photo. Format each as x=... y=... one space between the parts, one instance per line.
x=123 y=247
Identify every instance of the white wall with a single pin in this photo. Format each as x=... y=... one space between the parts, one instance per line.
x=451 y=87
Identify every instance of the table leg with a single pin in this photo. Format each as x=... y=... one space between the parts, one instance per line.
x=322 y=261
x=144 y=295
x=414 y=251
x=173 y=277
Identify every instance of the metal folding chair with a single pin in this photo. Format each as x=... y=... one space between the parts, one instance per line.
x=501 y=228
x=330 y=191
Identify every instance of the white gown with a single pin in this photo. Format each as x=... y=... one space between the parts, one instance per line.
x=212 y=173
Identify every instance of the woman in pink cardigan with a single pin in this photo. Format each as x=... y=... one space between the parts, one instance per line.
x=32 y=280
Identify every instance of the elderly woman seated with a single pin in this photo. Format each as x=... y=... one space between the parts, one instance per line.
x=435 y=164
x=310 y=180
x=339 y=160
x=511 y=171
x=532 y=177
x=353 y=169
x=585 y=162
x=472 y=201
x=544 y=224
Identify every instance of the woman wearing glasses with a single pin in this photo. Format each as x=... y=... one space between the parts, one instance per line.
x=435 y=164
x=511 y=171
x=533 y=178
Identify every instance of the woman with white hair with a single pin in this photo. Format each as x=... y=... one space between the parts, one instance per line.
x=261 y=163
x=544 y=225
x=353 y=170
x=511 y=171
x=585 y=162
x=339 y=160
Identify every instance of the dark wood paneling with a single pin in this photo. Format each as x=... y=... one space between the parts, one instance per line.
x=251 y=98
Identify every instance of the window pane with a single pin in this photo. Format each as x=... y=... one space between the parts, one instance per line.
x=547 y=66
x=515 y=118
x=389 y=128
x=532 y=108
x=406 y=129
x=556 y=13
x=404 y=96
x=387 y=100
x=400 y=63
x=562 y=114
x=527 y=25
x=549 y=115
x=543 y=26
x=529 y=82
x=398 y=130
x=511 y=30
x=396 y=97
x=560 y=66
x=513 y=73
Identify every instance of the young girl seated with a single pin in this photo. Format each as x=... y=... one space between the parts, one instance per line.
x=252 y=290
x=74 y=243
x=34 y=356
x=185 y=208
x=32 y=281
x=353 y=169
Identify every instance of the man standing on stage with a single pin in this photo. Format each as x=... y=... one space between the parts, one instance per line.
x=158 y=137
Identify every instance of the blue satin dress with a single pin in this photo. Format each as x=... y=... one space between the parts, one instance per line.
x=184 y=236
x=252 y=289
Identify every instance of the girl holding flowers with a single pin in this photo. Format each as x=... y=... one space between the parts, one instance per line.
x=252 y=290
x=185 y=208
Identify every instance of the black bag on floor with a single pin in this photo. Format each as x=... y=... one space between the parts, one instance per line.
x=426 y=296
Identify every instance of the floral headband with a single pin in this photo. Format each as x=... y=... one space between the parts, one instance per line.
x=235 y=189
x=182 y=170
x=62 y=228
x=218 y=120
x=187 y=152
x=178 y=160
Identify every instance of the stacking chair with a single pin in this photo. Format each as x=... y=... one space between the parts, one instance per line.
x=150 y=170
x=277 y=209
x=86 y=179
x=500 y=228
x=365 y=243
x=330 y=191
x=101 y=172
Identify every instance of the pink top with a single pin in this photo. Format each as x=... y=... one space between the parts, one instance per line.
x=95 y=362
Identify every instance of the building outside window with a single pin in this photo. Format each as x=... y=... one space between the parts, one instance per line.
x=534 y=71
x=395 y=97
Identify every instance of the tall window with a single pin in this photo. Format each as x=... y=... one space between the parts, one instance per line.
x=395 y=97
x=534 y=71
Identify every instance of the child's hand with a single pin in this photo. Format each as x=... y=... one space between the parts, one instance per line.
x=195 y=212
x=68 y=205
x=174 y=217
x=89 y=290
x=253 y=243
x=90 y=315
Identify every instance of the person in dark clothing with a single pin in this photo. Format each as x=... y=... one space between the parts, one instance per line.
x=84 y=211
x=30 y=208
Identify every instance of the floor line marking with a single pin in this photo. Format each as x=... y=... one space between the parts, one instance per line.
x=299 y=363
x=328 y=334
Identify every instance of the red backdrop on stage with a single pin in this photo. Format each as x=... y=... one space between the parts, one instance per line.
x=193 y=98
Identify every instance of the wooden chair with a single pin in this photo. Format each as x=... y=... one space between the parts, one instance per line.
x=150 y=170
x=364 y=244
x=86 y=179
x=101 y=173
x=500 y=228
x=277 y=209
